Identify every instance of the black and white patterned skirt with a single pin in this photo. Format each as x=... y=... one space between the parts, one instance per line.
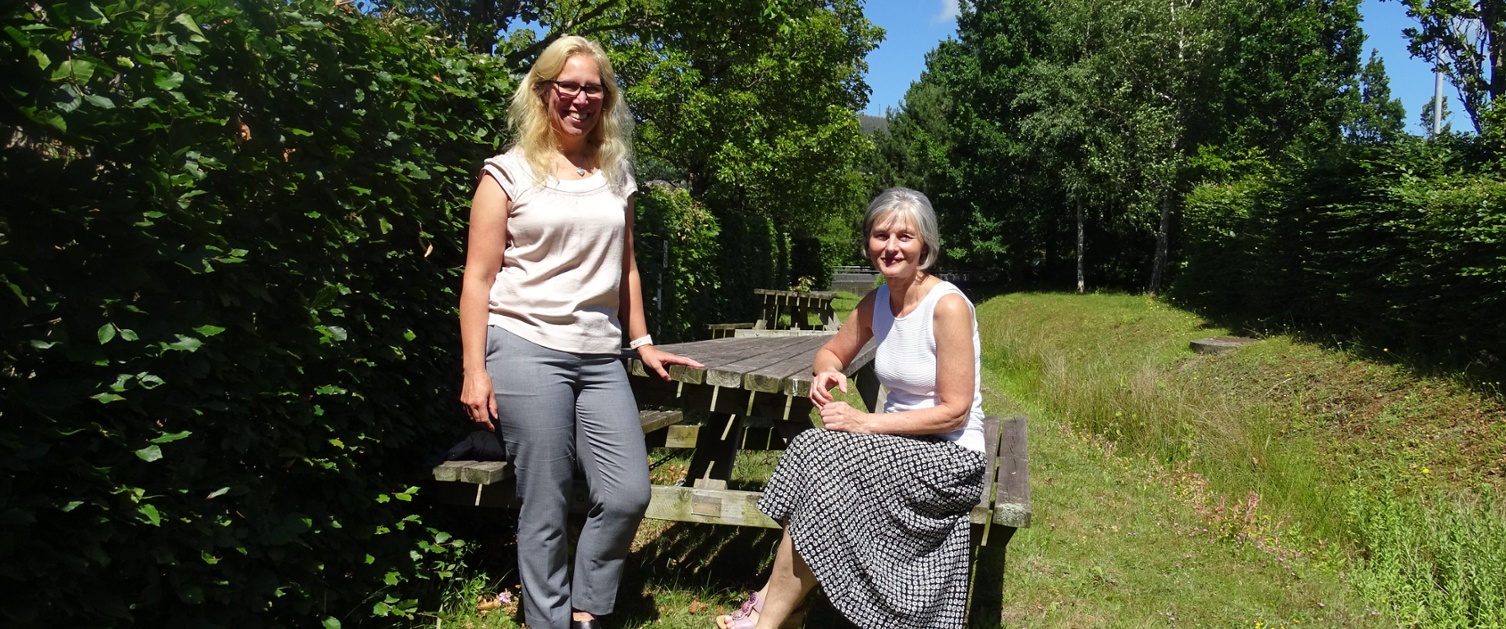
x=882 y=522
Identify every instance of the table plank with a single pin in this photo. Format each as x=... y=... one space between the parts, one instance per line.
x=709 y=353
x=772 y=351
x=773 y=378
x=765 y=377
x=799 y=384
x=768 y=372
x=652 y=391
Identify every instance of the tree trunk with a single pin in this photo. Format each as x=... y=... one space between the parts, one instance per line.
x=1492 y=15
x=1163 y=245
x=1081 y=285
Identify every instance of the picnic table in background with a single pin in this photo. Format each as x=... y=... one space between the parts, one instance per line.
x=786 y=310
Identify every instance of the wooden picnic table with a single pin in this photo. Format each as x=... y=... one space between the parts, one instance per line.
x=775 y=306
x=754 y=381
x=764 y=381
x=759 y=382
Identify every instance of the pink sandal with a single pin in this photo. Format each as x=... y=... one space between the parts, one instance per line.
x=743 y=617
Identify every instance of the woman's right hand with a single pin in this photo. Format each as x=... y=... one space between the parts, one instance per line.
x=483 y=259
x=822 y=384
x=480 y=403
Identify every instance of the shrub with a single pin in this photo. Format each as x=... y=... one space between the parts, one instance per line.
x=1403 y=245
x=229 y=268
x=677 y=245
x=753 y=255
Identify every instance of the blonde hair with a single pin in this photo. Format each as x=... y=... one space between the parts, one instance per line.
x=529 y=116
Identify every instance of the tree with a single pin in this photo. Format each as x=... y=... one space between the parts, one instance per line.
x=751 y=104
x=1446 y=124
x=1129 y=61
x=476 y=24
x=954 y=137
x=1466 y=39
x=1071 y=124
x=1278 y=72
x=482 y=26
x=754 y=105
x=1376 y=117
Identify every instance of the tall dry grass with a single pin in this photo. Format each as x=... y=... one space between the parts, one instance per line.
x=1120 y=366
x=1264 y=460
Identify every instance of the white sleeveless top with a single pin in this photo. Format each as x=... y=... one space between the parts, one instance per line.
x=561 y=271
x=905 y=360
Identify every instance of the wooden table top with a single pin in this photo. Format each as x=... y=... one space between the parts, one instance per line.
x=822 y=296
x=767 y=364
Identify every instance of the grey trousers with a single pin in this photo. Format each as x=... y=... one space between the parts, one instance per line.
x=556 y=410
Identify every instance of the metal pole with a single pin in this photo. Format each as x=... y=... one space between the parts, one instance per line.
x=659 y=297
x=1438 y=95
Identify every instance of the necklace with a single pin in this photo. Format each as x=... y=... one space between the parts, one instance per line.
x=580 y=172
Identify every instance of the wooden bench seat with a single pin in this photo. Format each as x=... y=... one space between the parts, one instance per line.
x=1005 y=505
x=1003 y=509
x=485 y=473
x=1005 y=502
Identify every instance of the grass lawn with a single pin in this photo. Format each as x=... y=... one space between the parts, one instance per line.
x=1279 y=485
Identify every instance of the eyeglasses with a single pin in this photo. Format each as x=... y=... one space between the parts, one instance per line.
x=569 y=89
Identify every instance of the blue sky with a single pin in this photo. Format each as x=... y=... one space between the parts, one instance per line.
x=913 y=28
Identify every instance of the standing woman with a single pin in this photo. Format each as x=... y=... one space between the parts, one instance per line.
x=550 y=285
x=874 y=506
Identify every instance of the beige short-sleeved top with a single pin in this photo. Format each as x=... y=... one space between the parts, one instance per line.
x=562 y=267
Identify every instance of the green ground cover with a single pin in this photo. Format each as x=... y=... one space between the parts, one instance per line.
x=1280 y=485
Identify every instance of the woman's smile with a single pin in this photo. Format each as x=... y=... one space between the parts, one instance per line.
x=895 y=246
x=575 y=114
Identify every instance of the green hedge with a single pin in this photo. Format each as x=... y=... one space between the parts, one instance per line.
x=698 y=268
x=809 y=265
x=753 y=254
x=677 y=242
x=1404 y=245
x=228 y=262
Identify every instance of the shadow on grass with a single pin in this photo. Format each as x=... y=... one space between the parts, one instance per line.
x=678 y=564
x=1477 y=365
x=678 y=575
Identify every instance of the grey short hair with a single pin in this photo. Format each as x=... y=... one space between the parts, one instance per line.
x=911 y=204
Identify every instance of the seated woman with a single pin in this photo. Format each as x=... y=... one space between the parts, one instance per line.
x=875 y=505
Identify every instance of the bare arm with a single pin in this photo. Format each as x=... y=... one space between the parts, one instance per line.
x=837 y=354
x=955 y=365
x=630 y=308
x=485 y=247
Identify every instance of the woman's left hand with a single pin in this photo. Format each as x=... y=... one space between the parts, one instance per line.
x=841 y=417
x=657 y=360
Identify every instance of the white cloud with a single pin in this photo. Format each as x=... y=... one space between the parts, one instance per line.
x=949 y=10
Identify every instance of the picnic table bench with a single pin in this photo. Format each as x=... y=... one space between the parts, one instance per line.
x=752 y=383
x=774 y=306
